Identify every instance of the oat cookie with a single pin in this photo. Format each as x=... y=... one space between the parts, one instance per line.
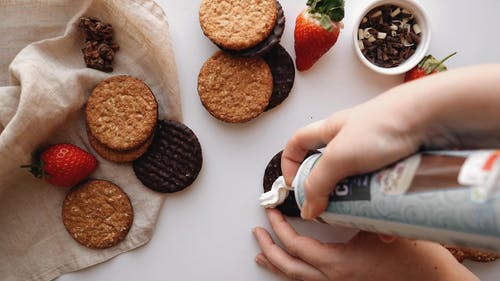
x=118 y=156
x=97 y=214
x=173 y=161
x=237 y=25
x=462 y=254
x=267 y=44
x=235 y=89
x=121 y=113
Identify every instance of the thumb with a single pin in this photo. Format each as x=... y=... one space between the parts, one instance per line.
x=337 y=163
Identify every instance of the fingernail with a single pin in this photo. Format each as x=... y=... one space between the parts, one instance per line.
x=305 y=213
x=259 y=260
x=254 y=232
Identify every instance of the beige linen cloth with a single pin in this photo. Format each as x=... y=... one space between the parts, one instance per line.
x=43 y=88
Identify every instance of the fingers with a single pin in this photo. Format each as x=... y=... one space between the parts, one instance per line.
x=313 y=136
x=261 y=260
x=307 y=249
x=277 y=260
x=337 y=162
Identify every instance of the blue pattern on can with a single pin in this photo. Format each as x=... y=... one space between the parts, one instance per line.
x=450 y=209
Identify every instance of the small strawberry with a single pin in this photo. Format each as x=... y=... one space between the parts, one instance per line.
x=428 y=65
x=63 y=164
x=316 y=30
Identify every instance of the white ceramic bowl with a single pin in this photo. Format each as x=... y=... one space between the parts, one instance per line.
x=422 y=19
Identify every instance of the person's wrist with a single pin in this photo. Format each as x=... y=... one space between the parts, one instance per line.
x=431 y=261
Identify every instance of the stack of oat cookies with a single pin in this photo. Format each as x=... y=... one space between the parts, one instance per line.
x=251 y=73
x=123 y=126
x=121 y=115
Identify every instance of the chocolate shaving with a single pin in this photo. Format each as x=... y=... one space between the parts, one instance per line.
x=99 y=50
x=387 y=35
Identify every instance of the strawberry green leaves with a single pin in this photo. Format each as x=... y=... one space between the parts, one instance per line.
x=333 y=9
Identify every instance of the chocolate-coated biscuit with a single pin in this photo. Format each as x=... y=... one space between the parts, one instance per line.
x=272 y=172
x=462 y=254
x=97 y=214
x=283 y=71
x=237 y=25
x=267 y=44
x=118 y=156
x=235 y=89
x=121 y=112
x=173 y=161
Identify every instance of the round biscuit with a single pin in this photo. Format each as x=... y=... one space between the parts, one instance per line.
x=235 y=89
x=237 y=25
x=267 y=44
x=173 y=161
x=121 y=112
x=283 y=71
x=97 y=214
x=118 y=156
x=462 y=254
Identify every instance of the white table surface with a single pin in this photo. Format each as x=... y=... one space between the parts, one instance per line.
x=204 y=232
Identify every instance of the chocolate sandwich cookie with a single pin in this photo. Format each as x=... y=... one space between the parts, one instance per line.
x=283 y=71
x=272 y=172
x=235 y=89
x=121 y=113
x=242 y=25
x=116 y=155
x=173 y=161
x=267 y=44
x=97 y=214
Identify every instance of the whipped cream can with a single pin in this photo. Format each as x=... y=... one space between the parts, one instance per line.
x=450 y=197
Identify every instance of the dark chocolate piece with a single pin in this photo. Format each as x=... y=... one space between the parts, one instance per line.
x=173 y=161
x=99 y=50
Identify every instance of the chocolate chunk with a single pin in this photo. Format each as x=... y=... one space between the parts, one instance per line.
x=283 y=71
x=388 y=35
x=173 y=161
x=99 y=50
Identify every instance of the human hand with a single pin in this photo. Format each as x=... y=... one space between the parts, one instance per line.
x=452 y=109
x=358 y=140
x=365 y=257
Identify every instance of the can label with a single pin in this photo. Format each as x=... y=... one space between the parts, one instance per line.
x=352 y=189
x=419 y=197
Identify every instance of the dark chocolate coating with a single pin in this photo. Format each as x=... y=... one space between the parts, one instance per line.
x=283 y=71
x=173 y=161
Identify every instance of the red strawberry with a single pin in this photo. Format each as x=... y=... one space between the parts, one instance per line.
x=316 y=30
x=428 y=65
x=63 y=164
